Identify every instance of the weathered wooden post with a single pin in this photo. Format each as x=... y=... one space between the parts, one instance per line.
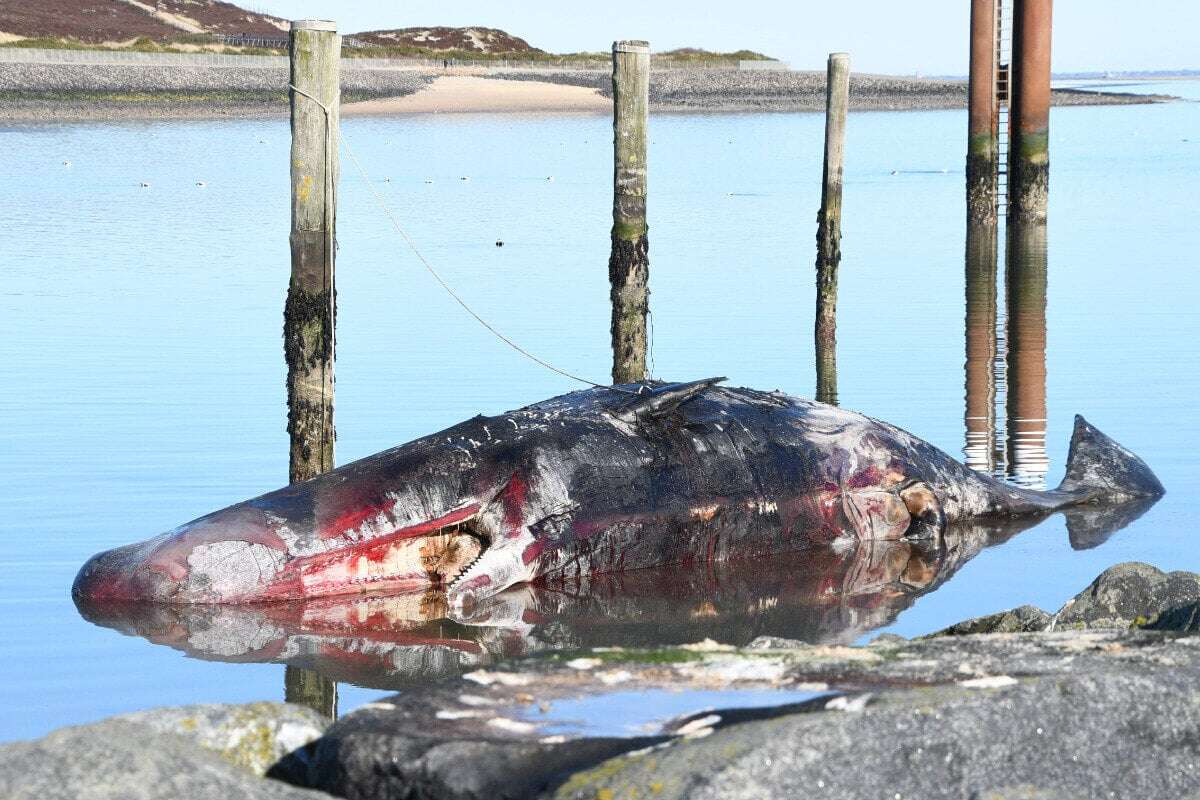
x=1025 y=300
x=829 y=225
x=982 y=117
x=1029 y=156
x=981 y=295
x=629 y=261
x=309 y=313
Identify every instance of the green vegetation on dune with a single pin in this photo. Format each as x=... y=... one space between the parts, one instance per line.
x=203 y=42
x=184 y=44
x=690 y=55
x=701 y=56
x=51 y=43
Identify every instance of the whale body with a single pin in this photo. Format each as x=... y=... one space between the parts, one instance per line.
x=598 y=481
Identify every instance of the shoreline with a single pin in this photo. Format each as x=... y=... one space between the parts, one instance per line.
x=1123 y=648
x=65 y=92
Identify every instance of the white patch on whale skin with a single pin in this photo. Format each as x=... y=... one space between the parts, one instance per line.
x=232 y=569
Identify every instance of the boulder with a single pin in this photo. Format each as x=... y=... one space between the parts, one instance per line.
x=1135 y=595
x=120 y=760
x=457 y=741
x=253 y=736
x=1128 y=595
x=1024 y=619
x=1054 y=714
x=369 y=759
x=1099 y=731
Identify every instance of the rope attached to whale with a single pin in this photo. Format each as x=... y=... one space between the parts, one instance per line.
x=387 y=210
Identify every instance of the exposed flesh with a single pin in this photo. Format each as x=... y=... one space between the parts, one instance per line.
x=446 y=555
x=430 y=560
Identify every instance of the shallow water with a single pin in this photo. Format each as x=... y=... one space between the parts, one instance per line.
x=140 y=331
x=646 y=712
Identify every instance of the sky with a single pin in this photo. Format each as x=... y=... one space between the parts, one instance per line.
x=918 y=36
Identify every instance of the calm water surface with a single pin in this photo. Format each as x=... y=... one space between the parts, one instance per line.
x=140 y=335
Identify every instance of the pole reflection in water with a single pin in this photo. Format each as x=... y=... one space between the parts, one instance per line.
x=824 y=594
x=981 y=295
x=1025 y=296
x=310 y=688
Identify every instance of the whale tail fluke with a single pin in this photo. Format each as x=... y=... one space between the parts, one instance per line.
x=1099 y=469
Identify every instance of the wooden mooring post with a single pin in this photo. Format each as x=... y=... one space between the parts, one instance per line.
x=982 y=114
x=629 y=260
x=309 y=313
x=829 y=225
x=1029 y=155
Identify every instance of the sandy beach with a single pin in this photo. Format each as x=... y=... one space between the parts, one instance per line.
x=463 y=94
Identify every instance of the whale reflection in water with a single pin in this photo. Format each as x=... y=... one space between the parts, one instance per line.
x=827 y=594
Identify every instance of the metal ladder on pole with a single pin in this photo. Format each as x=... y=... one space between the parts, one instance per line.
x=1003 y=83
x=1001 y=97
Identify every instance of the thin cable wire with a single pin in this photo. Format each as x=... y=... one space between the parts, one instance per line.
x=650 y=316
x=383 y=206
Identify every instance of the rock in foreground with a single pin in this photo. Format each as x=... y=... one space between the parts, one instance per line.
x=1134 y=595
x=1025 y=619
x=142 y=760
x=1067 y=714
x=1116 y=716
x=253 y=736
x=1103 y=700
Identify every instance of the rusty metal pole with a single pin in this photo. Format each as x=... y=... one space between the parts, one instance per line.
x=309 y=313
x=829 y=225
x=629 y=259
x=982 y=116
x=1025 y=301
x=982 y=309
x=1029 y=157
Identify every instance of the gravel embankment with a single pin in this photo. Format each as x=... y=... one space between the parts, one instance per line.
x=733 y=90
x=73 y=91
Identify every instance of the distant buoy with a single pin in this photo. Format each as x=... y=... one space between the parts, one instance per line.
x=201 y=184
x=499 y=243
x=144 y=185
x=550 y=178
x=429 y=180
x=387 y=180
x=895 y=172
x=68 y=163
x=465 y=178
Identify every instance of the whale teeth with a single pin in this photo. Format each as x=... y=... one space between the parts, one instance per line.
x=466 y=570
